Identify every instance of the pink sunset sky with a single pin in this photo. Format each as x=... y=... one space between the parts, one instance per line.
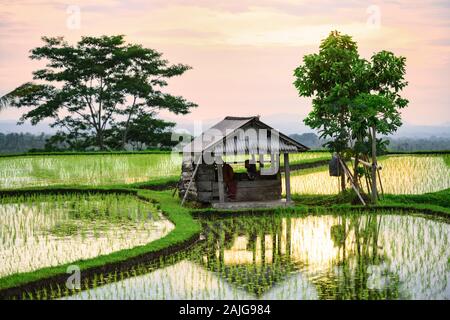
x=243 y=53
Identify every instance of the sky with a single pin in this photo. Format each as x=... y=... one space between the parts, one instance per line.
x=243 y=53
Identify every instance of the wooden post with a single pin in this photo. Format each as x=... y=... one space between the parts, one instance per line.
x=287 y=177
x=190 y=182
x=343 y=183
x=220 y=181
x=379 y=180
x=374 y=166
x=355 y=171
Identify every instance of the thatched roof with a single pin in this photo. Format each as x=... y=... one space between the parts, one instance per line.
x=243 y=135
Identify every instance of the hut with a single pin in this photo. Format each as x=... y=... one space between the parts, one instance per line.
x=213 y=171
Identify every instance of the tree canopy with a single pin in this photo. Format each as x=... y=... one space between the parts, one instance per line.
x=350 y=94
x=90 y=87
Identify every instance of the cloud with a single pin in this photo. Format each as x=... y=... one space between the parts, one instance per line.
x=243 y=52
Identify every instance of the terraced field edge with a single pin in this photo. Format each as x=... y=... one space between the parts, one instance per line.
x=186 y=232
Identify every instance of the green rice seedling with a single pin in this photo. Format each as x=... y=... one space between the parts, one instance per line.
x=26 y=171
x=48 y=230
x=101 y=169
x=400 y=175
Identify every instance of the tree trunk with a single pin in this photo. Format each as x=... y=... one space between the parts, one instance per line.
x=100 y=139
x=125 y=131
x=124 y=137
x=341 y=170
x=374 y=166
x=341 y=120
x=127 y=124
x=355 y=171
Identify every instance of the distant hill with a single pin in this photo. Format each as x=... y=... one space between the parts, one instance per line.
x=405 y=144
x=309 y=139
x=287 y=123
x=293 y=124
x=408 y=137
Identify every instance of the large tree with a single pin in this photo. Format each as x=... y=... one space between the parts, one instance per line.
x=329 y=77
x=86 y=88
x=351 y=95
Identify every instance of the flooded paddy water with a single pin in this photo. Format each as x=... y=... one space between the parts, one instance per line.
x=388 y=255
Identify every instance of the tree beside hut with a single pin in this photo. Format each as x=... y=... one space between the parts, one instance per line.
x=353 y=100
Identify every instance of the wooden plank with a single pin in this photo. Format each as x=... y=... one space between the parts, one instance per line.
x=250 y=194
x=204 y=196
x=249 y=184
x=205 y=177
x=253 y=194
x=346 y=172
x=221 y=185
x=258 y=184
x=204 y=185
x=205 y=169
x=287 y=177
x=251 y=205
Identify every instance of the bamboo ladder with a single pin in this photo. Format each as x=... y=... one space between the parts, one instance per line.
x=351 y=178
x=190 y=181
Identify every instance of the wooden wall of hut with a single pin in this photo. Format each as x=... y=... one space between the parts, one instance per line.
x=205 y=187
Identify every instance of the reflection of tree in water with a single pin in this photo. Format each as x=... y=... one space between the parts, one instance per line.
x=268 y=265
x=267 y=256
x=359 y=263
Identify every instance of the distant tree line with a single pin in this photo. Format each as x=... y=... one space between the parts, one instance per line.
x=419 y=144
x=22 y=142
x=144 y=133
x=149 y=138
x=150 y=134
x=312 y=141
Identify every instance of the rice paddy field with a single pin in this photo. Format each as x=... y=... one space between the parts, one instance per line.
x=50 y=230
x=31 y=171
x=101 y=169
x=401 y=174
x=389 y=255
x=295 y=254
x=405 y=174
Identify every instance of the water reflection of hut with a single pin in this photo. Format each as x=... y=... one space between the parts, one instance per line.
x=336 y=254
x=208 y=158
